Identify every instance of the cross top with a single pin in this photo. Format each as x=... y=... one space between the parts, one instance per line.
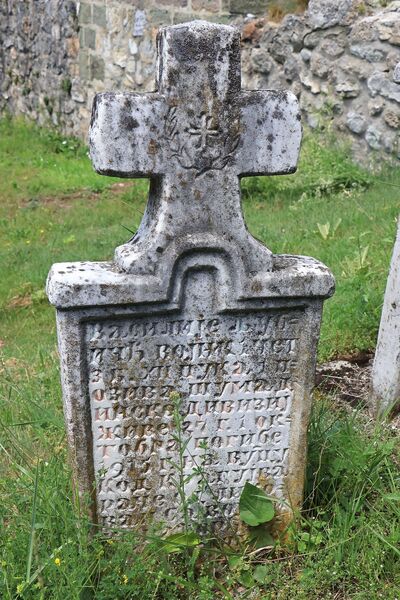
x=194 y=138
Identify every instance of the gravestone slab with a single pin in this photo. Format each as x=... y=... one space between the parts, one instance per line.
x=193 y=304
x=386 y=368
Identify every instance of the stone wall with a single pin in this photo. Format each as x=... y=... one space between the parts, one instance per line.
x=339 y=58
x=39 y=51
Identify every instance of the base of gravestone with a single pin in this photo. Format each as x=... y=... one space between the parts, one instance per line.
x=238 y=349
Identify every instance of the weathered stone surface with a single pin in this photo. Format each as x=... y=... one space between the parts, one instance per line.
x=323 y=14
x=374 y=137
x=262 y=63
x=244 y=7
x=386 y=368
x=319 y=66
x=368 y=52
x=306 y=55
x=99 y=15
x=193 y=304
x=97 y=68
x=356 y=122
x=85 y=12
x=210 y=5
x=88 y=38
x=291 y=68
x=380 y=84
x=392 y=118
x=396 y=73
x=347 y=88
x=245 y=132
x=333 y=47
x=375 y=106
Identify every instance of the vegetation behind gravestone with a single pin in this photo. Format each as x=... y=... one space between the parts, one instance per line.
x=345 y=543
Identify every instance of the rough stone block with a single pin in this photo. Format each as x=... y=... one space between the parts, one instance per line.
x=261 y=61
x=97 y=68
x=323 y=14
x=320 y=66
x=244 y=7
x=374 y=137
x=173 y=3
x=208 y=5
x=160 y=17
x=333 y=47
x=348 y=88
x=392 y=118
x=356 y=122
x=380 y=84
x=85 y=13
x=183 y=17
x=72 y=46
x=368 y=52
x=99 y=15
x=87 y=37
x=396 y=73
x=84 y=72
x=375 y=106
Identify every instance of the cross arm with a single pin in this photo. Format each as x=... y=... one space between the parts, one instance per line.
x=125 y=134
x=271 y=133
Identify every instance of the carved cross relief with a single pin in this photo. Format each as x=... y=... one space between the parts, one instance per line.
x=194 y=138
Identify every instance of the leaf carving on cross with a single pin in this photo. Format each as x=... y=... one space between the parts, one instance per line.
x=190 y=145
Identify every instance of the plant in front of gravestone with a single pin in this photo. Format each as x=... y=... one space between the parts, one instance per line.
x=204 y=552
x=256 y=512
x=185 y=542
x=202 y=549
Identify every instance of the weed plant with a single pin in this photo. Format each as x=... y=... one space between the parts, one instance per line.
x=345 y=544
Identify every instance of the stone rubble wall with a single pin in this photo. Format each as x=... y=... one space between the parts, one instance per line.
x=339 y=58
x=39 y=51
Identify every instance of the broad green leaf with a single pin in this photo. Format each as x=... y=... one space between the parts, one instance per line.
x=234 y=561
x=260 y=574
x=260 y=537
x=246 y=578
x=179 y=541
x=255 y=507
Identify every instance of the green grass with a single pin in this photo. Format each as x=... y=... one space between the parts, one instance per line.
x=346 y=542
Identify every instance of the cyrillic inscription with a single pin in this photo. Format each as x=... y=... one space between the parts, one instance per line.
x=235 y=376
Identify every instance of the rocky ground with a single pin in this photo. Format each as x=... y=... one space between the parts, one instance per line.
x=349 y=379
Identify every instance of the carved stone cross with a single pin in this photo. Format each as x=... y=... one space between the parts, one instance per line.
x=194 y=308
x=194 y=138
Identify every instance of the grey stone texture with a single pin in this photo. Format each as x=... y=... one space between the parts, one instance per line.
x=356 y=122
x=396 y=73
x=386 y=368
x=323 y=14
x=192 y=304
x=39 y=51
x=339 y=52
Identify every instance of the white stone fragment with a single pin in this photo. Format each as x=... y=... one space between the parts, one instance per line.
x=386 y=367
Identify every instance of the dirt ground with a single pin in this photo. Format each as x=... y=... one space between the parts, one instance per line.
x=349 y=378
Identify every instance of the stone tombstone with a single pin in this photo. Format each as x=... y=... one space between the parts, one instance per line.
x=386 y=368
x=193 y=304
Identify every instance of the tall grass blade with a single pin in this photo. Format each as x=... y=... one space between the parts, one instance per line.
x=33 y=522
